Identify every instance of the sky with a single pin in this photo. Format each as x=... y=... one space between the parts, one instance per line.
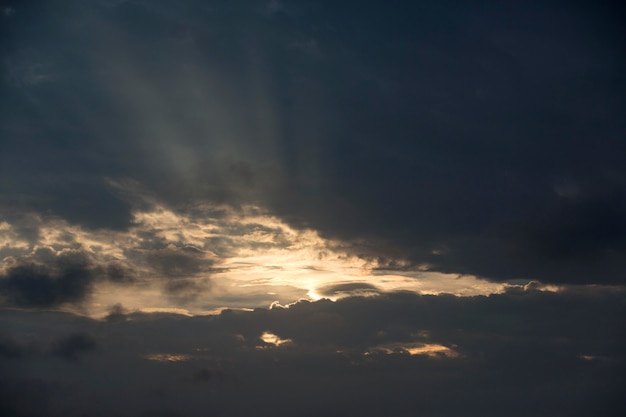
x=305 y=208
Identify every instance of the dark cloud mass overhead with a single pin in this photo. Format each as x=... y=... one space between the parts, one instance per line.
x=430 y=195
x=485 y=139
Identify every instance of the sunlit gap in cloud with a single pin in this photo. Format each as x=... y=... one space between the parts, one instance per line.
x=167 y=357
x=432 y=350
x=272 y=339
x=214 y=258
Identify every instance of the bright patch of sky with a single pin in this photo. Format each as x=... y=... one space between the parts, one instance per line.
x=219 y=257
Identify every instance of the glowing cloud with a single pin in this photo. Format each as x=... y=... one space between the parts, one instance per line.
x=272 y=339
x=216 y=257
x=167 y=357
x=431 y=350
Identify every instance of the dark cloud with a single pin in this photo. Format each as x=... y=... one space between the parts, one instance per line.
x=184 y=290
x=50 y=279
x=353 y=288
x=178 y=262
x=92 y=204
x=468 y=146
x=582 y=229
x=483 y=139
x=24 y=398
x=117 y=313
x=489 y=135
x=205 y=375
x=185 y=271
x=119 y=273
x=9 y=349
x=515 y=353
x=74 y=345
x=68 y=279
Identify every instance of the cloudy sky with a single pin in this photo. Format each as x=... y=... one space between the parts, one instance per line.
x=312 y=208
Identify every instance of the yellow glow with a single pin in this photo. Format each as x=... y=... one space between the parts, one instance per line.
x=167 y=357
x=537 y=286
x=10 y=239
x=171 y=310
x=432 y=350
x=272 y=339
x=258 y=259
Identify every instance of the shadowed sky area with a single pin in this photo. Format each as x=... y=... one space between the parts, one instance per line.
x=312 y=207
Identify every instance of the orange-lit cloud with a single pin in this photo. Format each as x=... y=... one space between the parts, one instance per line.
x=219 y=257
x=272 y=339
x=167 y=357
x=432 y=350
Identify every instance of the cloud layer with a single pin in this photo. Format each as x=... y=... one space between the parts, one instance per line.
x=456 y=136
x=308 y=208
x=516 y=353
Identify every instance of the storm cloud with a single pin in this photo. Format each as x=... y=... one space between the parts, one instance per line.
x=485 y=140
x=67 y=279
x=429 y=196
x=443 y=355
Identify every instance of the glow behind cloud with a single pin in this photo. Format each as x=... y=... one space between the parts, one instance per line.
x=239 y=259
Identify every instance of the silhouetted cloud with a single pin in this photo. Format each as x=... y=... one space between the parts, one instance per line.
x=67 y=279
x=73 y=345
x=117 y=313
x=176 y=262
x=445 y=354
x=355 y=288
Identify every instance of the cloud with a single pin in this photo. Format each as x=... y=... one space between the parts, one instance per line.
x=176 y=262
x=10 y=349
x=58 y=270
x=205 y=375
x=183 y=159
x=117 y=313
x=68 y=279
x=74 y=345
x=210 y=258
x=90 y=203
x=442 y=353
x=356 y=288
x=418 y=133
